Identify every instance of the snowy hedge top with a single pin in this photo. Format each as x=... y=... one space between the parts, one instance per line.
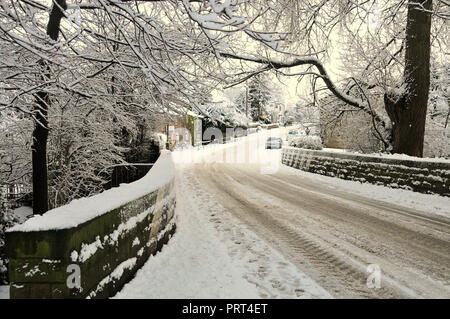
x=307 y=142
x=84 y=209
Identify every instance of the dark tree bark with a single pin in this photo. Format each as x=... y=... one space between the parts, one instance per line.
x=407 y=110
x=40 y=132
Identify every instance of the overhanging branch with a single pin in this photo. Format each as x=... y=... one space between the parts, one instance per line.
x=275 y=65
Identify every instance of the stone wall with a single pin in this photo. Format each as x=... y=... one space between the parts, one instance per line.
x=95 y=258
x=430 y=177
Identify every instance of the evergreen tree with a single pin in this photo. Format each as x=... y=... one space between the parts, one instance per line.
x=258 y=97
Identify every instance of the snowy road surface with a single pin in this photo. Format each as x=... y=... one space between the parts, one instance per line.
x=333 y=235
x=212 y=255
x=245 y=233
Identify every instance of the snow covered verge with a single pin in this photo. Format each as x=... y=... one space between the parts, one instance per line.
x=213 y=255
x=419 y=175
x=426 y=203
x=95 y=245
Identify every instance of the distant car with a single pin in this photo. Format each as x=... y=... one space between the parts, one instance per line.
x=274 y=142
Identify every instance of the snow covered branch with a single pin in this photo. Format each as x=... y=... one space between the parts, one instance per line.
x=273 y=64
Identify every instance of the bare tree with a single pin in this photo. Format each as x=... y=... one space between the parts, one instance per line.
x=181 y=45
x=69 y=52
x=405 y=99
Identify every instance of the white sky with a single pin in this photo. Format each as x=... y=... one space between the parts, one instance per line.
x=291 y=92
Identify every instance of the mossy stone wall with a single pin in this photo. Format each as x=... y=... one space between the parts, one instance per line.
x=108 y=250
x=419 y=176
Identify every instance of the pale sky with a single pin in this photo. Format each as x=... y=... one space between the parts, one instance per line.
x=292 y=93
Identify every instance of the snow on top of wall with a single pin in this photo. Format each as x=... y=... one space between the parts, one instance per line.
x=84 y=209
x=402 y=157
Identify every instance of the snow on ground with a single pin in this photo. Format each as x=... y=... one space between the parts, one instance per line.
x=194 y=264
x=4 y=292
x=212 y=255
x=22 y=213
x=432 y=204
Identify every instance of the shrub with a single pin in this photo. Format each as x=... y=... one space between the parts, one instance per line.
x=307 y=142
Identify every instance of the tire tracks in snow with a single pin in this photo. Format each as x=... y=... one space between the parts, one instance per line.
x=335 y=259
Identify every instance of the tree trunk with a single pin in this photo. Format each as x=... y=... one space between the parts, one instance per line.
x=40 y=132
x=39 y=155
x=407 y=109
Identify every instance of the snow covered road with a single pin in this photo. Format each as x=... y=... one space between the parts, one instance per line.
x=213 y=255
x=270 y=231
x=333 y=235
